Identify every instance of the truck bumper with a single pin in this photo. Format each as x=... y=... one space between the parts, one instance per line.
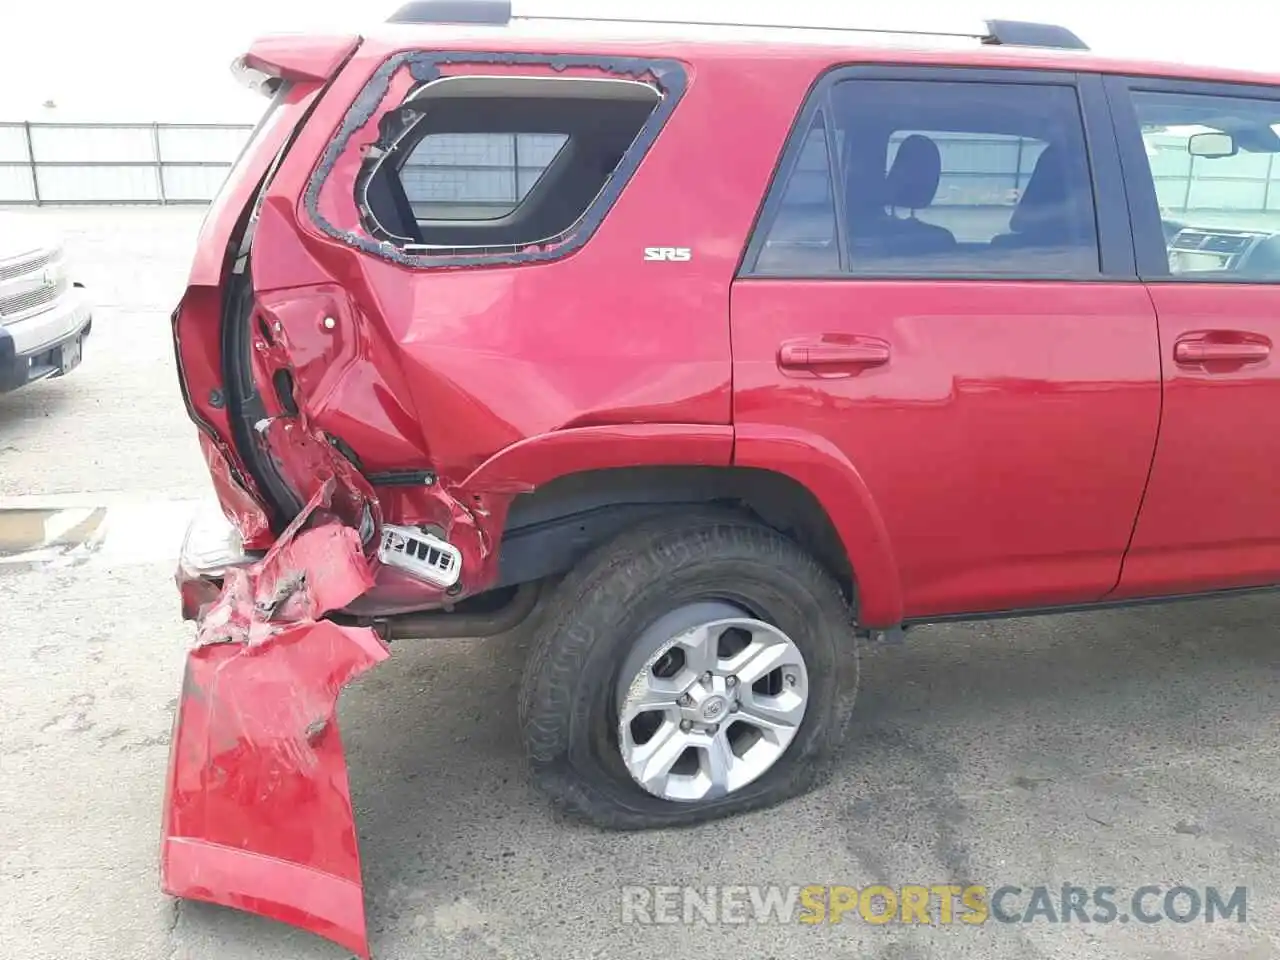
x=48 y=344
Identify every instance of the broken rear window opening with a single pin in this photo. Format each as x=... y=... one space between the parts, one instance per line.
x=451 y=160
x=494 y=164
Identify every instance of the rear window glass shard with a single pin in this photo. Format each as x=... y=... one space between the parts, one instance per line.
x=495 y=165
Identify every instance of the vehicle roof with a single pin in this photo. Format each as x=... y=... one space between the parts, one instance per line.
x=954 y=44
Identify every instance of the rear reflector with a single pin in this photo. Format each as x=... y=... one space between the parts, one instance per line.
x=420 y=555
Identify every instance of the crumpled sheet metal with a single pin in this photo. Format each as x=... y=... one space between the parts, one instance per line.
x=257 y=809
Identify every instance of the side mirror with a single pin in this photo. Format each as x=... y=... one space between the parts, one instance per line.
x=1213 y=146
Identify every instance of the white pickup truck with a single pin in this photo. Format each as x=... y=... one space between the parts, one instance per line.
x=45 y=317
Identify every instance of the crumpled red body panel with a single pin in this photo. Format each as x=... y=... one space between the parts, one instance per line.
x=244 y=512
x=258 y=810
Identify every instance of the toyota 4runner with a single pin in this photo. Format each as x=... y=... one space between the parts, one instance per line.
x=702 y=352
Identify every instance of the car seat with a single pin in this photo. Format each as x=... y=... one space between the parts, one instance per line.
x=1045 y=215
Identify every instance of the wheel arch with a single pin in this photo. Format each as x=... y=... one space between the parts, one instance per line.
x=819 y=467
x=551 y=528
x=576 y=488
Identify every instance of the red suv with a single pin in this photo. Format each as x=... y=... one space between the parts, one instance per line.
x=706 y=350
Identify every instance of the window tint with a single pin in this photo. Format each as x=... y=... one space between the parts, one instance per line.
x=476 y=176
x=1217 y=179
x=941 y=178
x=982 y=178
x=803 y=237
x=492 y=164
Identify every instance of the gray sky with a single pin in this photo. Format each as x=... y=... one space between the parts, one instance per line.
x=140 y=60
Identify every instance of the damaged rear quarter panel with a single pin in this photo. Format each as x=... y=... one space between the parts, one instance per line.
x=454 y=360
x=345 y=381
x=197 y=321
x=472 y=380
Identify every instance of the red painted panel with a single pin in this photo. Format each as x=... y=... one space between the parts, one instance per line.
x=327 y=905
x=300 y=57
x=1005 y=443
x=524 y=466
x=1211 y=518
x=485 y=358
x=257 y=806
x=822 y=468
x=197 y=322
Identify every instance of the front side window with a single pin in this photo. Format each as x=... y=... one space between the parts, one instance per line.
x=1217 y=180
x=938 y=178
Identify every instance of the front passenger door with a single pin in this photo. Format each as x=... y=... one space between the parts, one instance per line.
x=1203 y=173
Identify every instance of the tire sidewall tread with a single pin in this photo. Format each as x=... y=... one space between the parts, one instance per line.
x=567 y=694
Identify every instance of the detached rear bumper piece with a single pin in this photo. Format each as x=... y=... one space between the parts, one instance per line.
x=257 y=808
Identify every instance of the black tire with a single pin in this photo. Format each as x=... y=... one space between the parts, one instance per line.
x=568 y=708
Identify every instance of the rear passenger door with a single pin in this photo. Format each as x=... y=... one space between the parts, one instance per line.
x=1202 y=163
x=942 y=285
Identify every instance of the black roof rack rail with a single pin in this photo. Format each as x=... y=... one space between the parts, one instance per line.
x=1016 y=33
x=1020 y=33
x=494 y=12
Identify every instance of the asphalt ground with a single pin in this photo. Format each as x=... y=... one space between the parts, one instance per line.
x=1125 y=749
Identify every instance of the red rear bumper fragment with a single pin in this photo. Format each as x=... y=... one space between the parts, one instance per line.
x=257 y=808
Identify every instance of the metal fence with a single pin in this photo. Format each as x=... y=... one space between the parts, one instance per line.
x=157 y=163
x=448 y=175
x=475 y=174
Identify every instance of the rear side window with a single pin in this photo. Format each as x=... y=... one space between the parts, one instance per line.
x=497 y=164
x=935 y=178
x=805 y=236
x=476 y=176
